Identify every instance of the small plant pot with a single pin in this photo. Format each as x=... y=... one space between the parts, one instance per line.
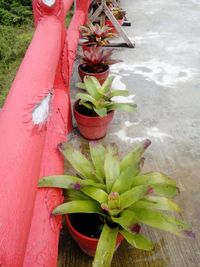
x=90 y=126
x=87 y=244
x=110 y=24
x=100 y=73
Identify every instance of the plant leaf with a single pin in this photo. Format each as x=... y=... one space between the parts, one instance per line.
x=64 y=181
x=161 y=221
x=129 y=107
x=133 y=195
x=101 y=111
x=127 y=220
x=79 y=162
x=160 y=203
x=86 y=97
x=92 y=87
x=111 y=165
x=130 y=167
x=81 y=85
x=137 y=240
x=134 y=155
x=96 y=193
x=78 y=206
x=118 y=93
x=105 y=88
x=106 y=247
x=165 y=190
x=152 y=178
x=76 y=195
x=97 y=152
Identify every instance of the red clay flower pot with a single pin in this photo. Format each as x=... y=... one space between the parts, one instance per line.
x=87 y=244
x=91 y=127
x=102 y=75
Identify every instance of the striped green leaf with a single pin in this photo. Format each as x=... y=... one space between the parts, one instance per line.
x=105 y=88
x=106 y=247
x=97 y=152
x=137 y=240
x=129 y=197
x=161 y=221
x=64 y=181
x=134 y=156
x=79 y=162
x=160 y=203
x=96 y=193
x=152 y=178
x=78 y=206
x=111 y=165
x=127 y=220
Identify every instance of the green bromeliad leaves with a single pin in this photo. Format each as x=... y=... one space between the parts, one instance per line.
x=92 y=85
x=111 y=165
x=130 y=167
x=137 y=240
x=81 y=85
x=118 y=93
x=78 y=206
x=134 y=155
x=105 y=88
x=97 y=152
x=86 y=97
x=161 y=221
x=79 y=162
x=165 y=190
x=101 y=111
x=154 y=202
x=106 y=247
x=65 y=181
x=127 y=220
x=129 y=107
x=152 y=178
x=129 y=197
x=96 y=193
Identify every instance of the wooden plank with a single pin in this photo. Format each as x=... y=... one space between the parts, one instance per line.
x=117 y=26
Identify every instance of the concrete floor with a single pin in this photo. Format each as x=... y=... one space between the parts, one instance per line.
x=162 y=75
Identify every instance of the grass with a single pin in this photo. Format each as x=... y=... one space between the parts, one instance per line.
x=14 y=42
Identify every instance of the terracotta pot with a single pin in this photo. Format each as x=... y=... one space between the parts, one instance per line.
x=91 y=128
x=110 y=24
x=101 y=76
x=87 y=244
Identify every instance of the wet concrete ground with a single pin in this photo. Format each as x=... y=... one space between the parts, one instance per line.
x=162 y=75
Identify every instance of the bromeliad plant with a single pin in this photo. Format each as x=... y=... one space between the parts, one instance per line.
x=98 y=98
x=96 y=35
x=96 y=56
x=124 y=197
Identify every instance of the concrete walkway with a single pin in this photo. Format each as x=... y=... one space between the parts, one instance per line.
x=163 y=77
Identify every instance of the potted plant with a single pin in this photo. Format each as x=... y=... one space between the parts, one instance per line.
x=96 y=63
x=123 y=198
x=94 y=109
x=119 y=14
x=96 y=35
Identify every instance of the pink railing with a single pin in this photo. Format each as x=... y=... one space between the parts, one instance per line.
x=34 y=120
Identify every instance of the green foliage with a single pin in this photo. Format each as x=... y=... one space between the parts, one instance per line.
x=13 y=44
x=15 y=12
x=124 y=206
x=99 y=97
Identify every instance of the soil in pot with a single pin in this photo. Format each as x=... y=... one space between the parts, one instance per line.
x=100 y=71
x=89 y=225
x=86 y=230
